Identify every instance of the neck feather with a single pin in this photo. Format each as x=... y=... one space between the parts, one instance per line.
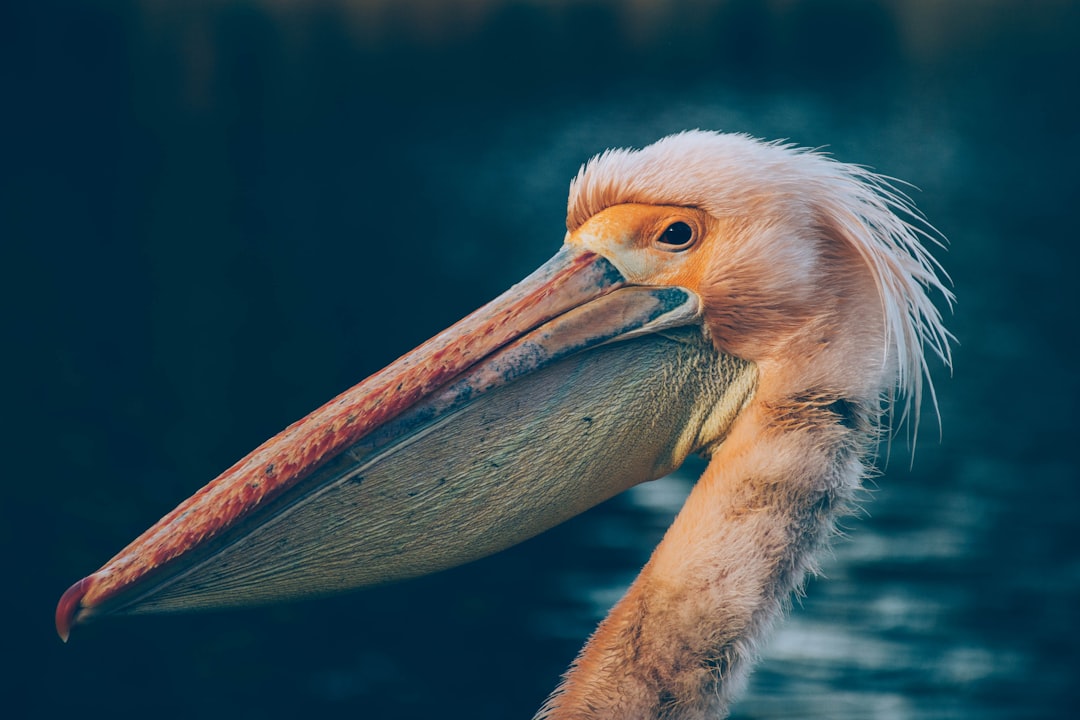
x=681 y=641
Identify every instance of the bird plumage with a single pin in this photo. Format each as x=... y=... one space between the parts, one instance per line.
x=815 y=277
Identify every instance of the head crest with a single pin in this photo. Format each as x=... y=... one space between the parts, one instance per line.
x=723 y=173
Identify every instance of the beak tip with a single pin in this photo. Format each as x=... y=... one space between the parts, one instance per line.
x=70 y=607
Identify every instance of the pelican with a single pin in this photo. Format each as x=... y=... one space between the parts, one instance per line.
x=761 y=305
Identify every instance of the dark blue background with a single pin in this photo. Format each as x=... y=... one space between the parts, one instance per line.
x=214 y=216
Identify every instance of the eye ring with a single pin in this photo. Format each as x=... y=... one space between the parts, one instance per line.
x=676 y=237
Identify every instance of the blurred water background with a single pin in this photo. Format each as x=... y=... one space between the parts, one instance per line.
x=214 y=216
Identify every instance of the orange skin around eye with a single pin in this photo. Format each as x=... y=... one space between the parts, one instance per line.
x=630 y=236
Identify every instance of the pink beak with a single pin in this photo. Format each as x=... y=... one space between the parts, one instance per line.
x=203 y=553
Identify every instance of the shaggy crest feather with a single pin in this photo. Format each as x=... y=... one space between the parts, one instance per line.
x=724 y=173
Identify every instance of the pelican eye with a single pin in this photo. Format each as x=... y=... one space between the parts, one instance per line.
x=677 y=236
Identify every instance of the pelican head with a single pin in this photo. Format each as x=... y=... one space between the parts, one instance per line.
x=754 y=303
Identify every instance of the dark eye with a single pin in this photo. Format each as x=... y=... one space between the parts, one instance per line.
x=677 y=235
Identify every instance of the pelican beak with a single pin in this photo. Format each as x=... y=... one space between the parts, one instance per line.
x=565 y=390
